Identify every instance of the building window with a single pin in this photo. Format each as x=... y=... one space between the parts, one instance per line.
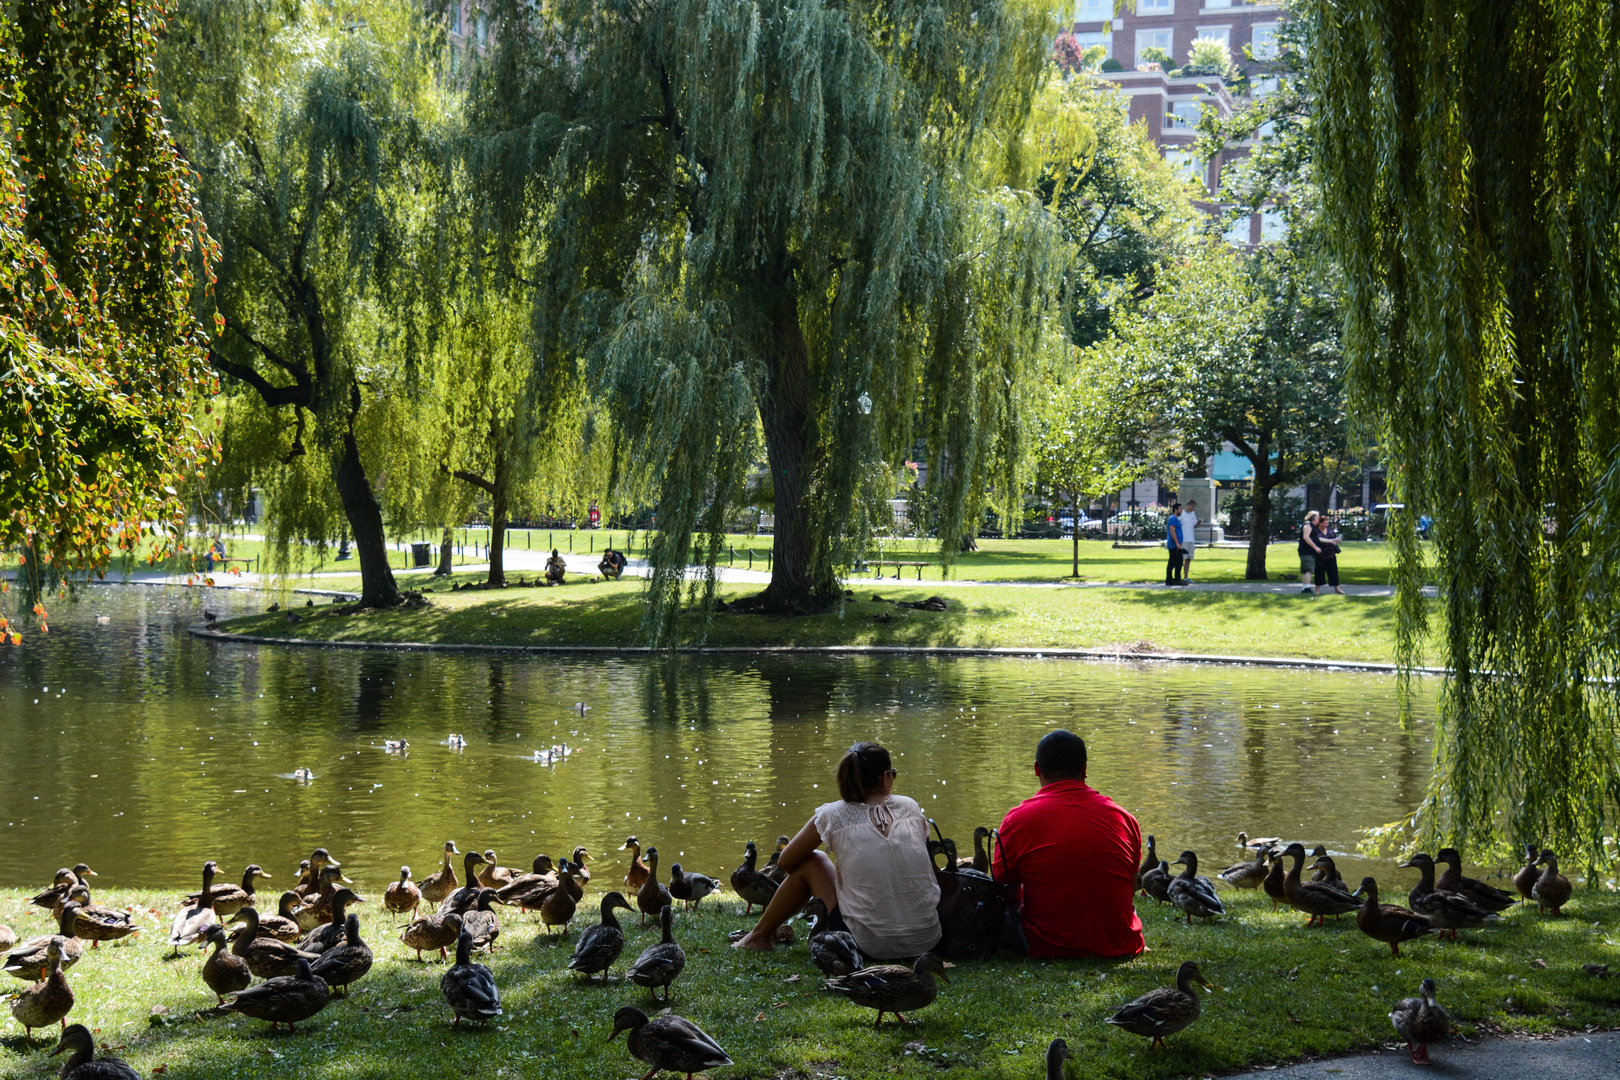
x=1264 y=46
x=1273 y=229
x=1153 y=39
x=1222 y=34
x=455 y=19
x=1217 y=4
x=1187 y=164
x=1090 y=11
x=1240 y=232
x=483 y=30
x=1155 y=7
x=1265 y=87
x=1183 y=115
x=1092 y=38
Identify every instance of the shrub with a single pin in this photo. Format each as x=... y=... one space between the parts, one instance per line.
x=1111 y=64
x=1208 y=56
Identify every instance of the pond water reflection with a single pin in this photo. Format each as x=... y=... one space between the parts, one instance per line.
x=144 y=751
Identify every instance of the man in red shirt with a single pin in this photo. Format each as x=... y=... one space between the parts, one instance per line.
x=1071 y=856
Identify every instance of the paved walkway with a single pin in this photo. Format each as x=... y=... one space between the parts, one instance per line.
x=1595 y=1056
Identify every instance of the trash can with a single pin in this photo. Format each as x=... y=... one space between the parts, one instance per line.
x=421 y=554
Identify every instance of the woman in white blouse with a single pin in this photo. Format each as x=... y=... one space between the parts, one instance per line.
x=879 y=883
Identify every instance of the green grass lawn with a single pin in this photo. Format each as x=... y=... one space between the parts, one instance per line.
x=1285 y=992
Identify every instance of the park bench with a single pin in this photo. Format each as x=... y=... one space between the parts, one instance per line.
x=899 y=567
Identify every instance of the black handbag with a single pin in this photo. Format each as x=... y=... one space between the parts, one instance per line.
x=972 y=906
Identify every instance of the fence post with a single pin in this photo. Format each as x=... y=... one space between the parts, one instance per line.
x=750 y=558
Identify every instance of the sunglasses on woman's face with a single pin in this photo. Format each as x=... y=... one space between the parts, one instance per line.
x=892 y=773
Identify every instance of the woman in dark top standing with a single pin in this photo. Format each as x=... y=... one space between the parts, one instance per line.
x=1327 y=557
x=1309 y=552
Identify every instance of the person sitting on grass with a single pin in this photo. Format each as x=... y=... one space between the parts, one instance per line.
x=555 y=568
x=879 y=882
x=612 y=564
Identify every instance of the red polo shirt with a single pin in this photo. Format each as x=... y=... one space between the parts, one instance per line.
x=1073 y=854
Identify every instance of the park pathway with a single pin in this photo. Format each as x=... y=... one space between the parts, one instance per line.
x=1593 y=1056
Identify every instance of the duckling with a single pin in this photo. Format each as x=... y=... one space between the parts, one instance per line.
x=492 y=875
x=82 y=1063
x=1164 y=1011
x=193 y=921
x=1151 y=863
x=1317 y=899
x=1525 y=880
x=224 y=972
x=1275 y=885
x=1446 y=911
x=285 y=999
x=559 y=905
x=55 y=895
x=773 y=865
x=402 y=897
x=96 y=923
x=748 y=883
x=28 y=960
x=330 y=935
x=833 y=951
x=468 y=988
x=659 y=964
x=266 y=957
x=1156 y=882
x=434 y=931
x=1057 y=1052
x=1193 y=893
x=437 y=886
x=345 y=963
x=668 y=1042
x=46 y=1002
x=228 y=899
x=1552 y=889
x=652 y=897
x=893 y=988
x=1420 y=1021
x=1389 y=923
x=637 y=875
x=283 y=926
x=1486 y=896
x=1247 y=875
x=482 y=923
x=467 y=895
x=599 y=946
x=691 y=888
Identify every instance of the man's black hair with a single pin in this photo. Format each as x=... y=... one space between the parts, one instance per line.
x=1061 y=755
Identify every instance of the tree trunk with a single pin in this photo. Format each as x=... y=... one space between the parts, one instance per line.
x=377 y=587
x=497 y=518
x=446 y=554
x=1259 y=531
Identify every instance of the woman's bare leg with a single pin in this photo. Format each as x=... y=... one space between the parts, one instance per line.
x=813 y=877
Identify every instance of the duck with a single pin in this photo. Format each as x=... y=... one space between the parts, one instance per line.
x=690 y=888
x=748 y=883
x=652 y=896
x=1551 y=889
x=193 y=921
x=346 y=963
x=1327 y=871
x=1318 y=899
x=314 y=881
x=318 y=910
x=559 y=905
x=1275 y=885
x=668 y=1042
x=492 y=875
x=96 y=923
x=981 y=852
x=542 y=876
x=661 y=963
x=438 y=930
x=1150 y=863
x=396 y=746
x=285 y=999
x=1193 y=893
x=1247 y=875
x=773 y=865
x=1164 y=1011
x=28 y=960
x=455 y=741
x=469 y=988
x=229 y=899
x=1446 y=911
x=402 y=897
x=1420 y=1021
x=224 y=972
x=436 y=886
x=1057 y=1052
x=578 y=860
x=1259 y=843
x=600 y=945
x=893 y=988
x=1486 y=896
x=467 y=895
x=266 y=957
x=303 y=774
x=551 y=756
x=329 y=935
x=835 y=952
x=1156 y=882
x=1525 y=880
x=47 y=1001
x=482 y=923
x=8 y=938
x=283 y=926
x=1389 y=923
x=302 y=878
x=82 y=1063
x=637 y=875
x=53 y=896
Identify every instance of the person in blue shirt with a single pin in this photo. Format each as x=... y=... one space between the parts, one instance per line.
x=1172 y=541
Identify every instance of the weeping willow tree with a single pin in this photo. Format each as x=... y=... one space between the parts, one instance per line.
x=797 y=227
x=1466 y=150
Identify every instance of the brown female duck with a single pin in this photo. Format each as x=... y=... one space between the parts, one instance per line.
x=492 y=875
x=541 y=876
x=283 y=926
x=1247 y=875
x=347 y=962
x=82 y=1063
x=440 y=884
x=319 y=860
x=652 y=897
x=468 y=988
x=1193 y=893
x=1525 y=880
x=1452 y=880
x=53 y=897
x=402 y=897
x=28 y=960
x=224 y=972
x=1326 y=871
x=661 y=963
x=1149 y=863
x=773 y=865
x=668 y=1042
x=557 y=907
x=748 y=883
x=229 y=899
x=434 y=931
x=1156 y=882
x=1164 y=1011
x=1420 y=1021
x=1389 y=923
x=330 y=934
x=600 y=945
x=285 y=999
x=96 y=923
x=1552 y=889
x=467 y=895
x=893 y=988
x=1446 y=911
x=46 y=1002
x=1275 y=885
x=636 y=877
x=266 y=957
x=1317 y=899
x=481 y=922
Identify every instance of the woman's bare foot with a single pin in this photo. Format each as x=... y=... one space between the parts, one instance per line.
x=754 y=940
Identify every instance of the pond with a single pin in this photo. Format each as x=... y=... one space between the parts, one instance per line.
x=144 y=751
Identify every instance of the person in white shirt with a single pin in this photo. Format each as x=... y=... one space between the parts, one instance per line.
x=1189 y=538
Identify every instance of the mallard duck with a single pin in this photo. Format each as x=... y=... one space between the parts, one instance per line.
x=481 y=922
x=346 y=963
x=96 y=923
x=541 y=879
x=303 y=773
x=55 y=895
x=1445 y=910
x=833 y=951
x=636 y=877
x=1248 y=875
x=1156 y=882
x=1258 y=843
x=492 y=875
x=1150 y=863
x=1193 y=893
x=316 y=880
x=600 y=945
x=1164 y=1011
x=1317 y=899
x=1057 y=1052
x=435 y=931
x=8 y=938
x=668 y=1042
x=396 y=746
x=285 y=999
x=467 y=895
x=748 y=883
x=558 y=906
x=266 y=957
x=691 y=888
x=1326 y=871
x=193 y=921
x=224 y=972
x=46 y=1002
x=228 y=899
x=659 y=964
x=1389 y=923
x=330 y=935
x=455 y=741
x=893 y=988
x=1420 y=1021
x=283 y=926
x=468 y=988
x=773 y=865
x=82 y=1063
x=1525 y=880
x=1551 y=889
x=981 y=852
x=1486 y=896
x=317 y=909
x=402 y=897
x=652 y=897
x=436 y=886
x=27 y=961
x=1275 y=885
